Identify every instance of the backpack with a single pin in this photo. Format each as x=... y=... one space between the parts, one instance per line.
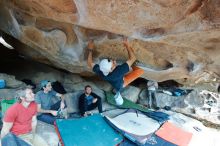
x=58 y=87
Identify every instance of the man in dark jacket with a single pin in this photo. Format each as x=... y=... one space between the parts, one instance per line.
x=89 y=101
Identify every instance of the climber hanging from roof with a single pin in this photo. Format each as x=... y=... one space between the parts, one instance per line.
x=116 y=75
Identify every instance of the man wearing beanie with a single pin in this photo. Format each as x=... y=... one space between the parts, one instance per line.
x=49 y=111
x=109 y=71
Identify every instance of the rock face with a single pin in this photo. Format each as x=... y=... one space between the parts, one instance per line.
x=11 y=82
x=176 y=40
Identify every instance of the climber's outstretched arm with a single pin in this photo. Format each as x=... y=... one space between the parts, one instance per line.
x=131 y=55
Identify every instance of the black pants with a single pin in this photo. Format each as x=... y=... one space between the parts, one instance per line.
x=84 y=107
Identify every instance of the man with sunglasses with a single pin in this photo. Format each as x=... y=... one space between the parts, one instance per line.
x=109 y=71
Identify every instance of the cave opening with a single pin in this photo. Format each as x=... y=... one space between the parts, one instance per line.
x=18 y=65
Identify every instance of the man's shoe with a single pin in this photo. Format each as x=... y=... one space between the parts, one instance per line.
x=118 y=99
x=62 y=113
x=90 y=113
x=167 y=108
x=157 y=108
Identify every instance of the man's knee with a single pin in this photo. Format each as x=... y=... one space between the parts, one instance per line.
x=47 y=118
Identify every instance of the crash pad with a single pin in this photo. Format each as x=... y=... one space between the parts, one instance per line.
x=133 y=75
x=173 y=134
x=134 y=125
x=155 y=140
x=92 y=130
x=126 y=104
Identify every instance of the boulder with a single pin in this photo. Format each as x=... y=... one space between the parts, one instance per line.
x=131 y=93
x=172 y=101
x=174 y=40
x=143 y=97
x=11 y=82
x=8 y=93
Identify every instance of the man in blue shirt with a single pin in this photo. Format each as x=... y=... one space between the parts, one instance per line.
x=89 y=101
x=109 y=70
x=48 y=111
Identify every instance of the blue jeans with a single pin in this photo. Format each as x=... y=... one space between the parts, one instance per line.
x=49 y=118
x=12 y=140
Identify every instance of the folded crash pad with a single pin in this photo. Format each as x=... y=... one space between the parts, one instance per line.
x=92 y=130
x=133 y=75
x=134 y=125
x=126 y=104
x=173 y=134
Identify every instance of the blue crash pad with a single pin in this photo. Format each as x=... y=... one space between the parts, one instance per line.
x=92 y=130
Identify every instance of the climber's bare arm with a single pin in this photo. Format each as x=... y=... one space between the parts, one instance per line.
x=131 y=54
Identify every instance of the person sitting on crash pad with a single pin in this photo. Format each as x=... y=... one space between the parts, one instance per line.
x=89 y=101
x=19 y=123
x=49 y=111
x=115 y=74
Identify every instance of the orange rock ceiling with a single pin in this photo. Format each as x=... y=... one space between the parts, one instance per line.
x=173 y=39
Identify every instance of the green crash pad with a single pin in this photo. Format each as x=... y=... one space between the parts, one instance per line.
x=126 y=104
x=87 y=131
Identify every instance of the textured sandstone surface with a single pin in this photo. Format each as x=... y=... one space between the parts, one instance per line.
x=177 y=40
